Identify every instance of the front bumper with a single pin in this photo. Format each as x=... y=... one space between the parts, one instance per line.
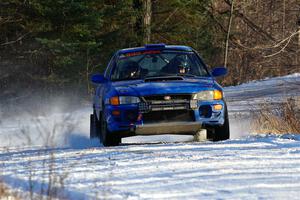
x=131 y=119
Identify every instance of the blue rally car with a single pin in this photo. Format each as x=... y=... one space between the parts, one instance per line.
x=158 y=89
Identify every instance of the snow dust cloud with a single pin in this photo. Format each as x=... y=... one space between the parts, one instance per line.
x=54 y=123
x=239 y=127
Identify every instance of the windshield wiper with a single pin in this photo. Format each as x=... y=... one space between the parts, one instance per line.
x=187 y=75
x=125 y=79
x=183 y=75
x=168 y=75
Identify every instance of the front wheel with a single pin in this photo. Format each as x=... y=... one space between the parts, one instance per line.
x=222 y=132
x=94 y=127
x=108 y=138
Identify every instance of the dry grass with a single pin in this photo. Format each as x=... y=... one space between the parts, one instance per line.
x=3 y=191
x=6 y=194
x=47 y=183
x=278 y=119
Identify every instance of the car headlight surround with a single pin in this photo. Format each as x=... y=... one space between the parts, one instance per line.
x=208 y=95
x=122 y=100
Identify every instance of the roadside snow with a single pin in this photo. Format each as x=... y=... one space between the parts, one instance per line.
x=250 y=96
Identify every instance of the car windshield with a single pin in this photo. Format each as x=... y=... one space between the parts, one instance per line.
x=155 y=63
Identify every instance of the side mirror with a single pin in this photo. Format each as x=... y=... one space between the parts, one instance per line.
x=98 y=79
x=219 y=71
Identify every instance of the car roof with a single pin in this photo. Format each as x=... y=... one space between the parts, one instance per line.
x=155 y=47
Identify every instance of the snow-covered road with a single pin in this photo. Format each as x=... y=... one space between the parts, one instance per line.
x=250 y=168
x=245 y=167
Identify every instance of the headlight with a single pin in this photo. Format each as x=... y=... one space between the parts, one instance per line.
x=123 y=100
x=208 y=95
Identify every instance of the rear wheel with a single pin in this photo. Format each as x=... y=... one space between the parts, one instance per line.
x=108 y=138
x=222 y=132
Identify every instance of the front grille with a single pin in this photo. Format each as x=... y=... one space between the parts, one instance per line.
x=169 y=116
x=172 y=97
x=166 y=108
x=164 y=103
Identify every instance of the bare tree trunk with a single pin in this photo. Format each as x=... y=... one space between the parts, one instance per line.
x=228 y=34
x=147 y=21
x=299 y=32
x=283 y=18
x=297 y=61
x=298 y=23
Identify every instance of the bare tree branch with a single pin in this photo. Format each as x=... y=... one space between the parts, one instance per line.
x=14 y=41
x=228 y=33
x=285 y=41
x=288 y=39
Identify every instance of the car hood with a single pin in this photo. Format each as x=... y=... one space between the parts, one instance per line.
x=141 y=88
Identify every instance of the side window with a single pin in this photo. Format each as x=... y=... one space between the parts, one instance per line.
x=199 y=61
x=111 y=64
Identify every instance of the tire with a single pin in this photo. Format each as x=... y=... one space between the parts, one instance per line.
x=108 y=138
x=222 y=132
x=94 y=126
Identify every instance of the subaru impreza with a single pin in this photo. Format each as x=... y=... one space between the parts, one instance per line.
x=158 y=89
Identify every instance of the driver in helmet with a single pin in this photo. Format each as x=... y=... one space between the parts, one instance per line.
x=176 y=66
x=130 y=70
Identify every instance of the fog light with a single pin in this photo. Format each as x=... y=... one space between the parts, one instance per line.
x=218 y=107
x=116 y=112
